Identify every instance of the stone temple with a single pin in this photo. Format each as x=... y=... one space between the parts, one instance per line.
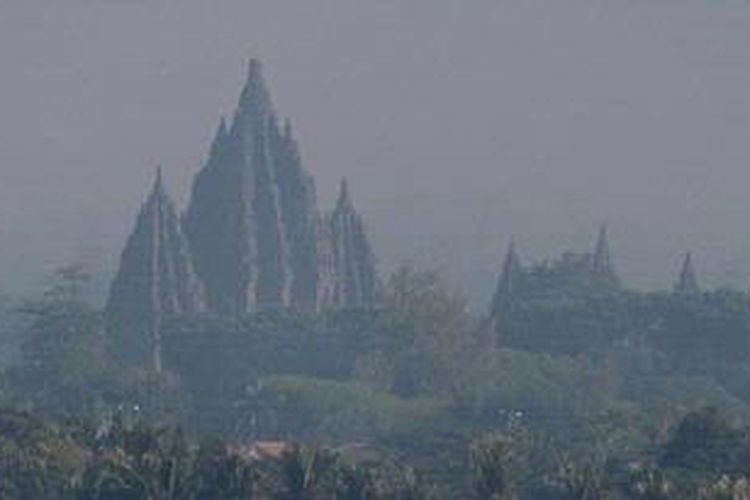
x=252 y=237
x=156 y=278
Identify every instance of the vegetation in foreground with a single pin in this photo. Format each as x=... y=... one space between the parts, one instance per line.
x=704 y=458
x=584 y=389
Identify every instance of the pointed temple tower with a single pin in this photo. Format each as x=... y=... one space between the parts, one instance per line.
x=349 y=278
x=687 y=283
x=601 y=263
x=253 y=223
x=155 y=280
x=507 y=282
x=252 y=218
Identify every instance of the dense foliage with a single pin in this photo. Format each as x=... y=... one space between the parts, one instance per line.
x=577 y=388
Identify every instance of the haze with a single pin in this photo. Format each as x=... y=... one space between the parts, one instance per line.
x=460 y=125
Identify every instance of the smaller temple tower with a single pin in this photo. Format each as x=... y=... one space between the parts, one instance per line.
x=155 y=280
x=601 y=263
x=349 y=263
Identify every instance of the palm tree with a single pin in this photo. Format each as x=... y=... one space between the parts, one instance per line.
x=492 y=459
x=411 y=486
x=140 y=462
x=354 y=482
x=575 y=481
x=650 y=484
x=300 y=473
x=220 y=475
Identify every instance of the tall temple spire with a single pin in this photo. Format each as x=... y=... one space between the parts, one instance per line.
x=252 y=220
x=687 y=282
x=601 y=263
x=155 y=279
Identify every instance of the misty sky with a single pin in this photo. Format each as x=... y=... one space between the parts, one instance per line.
x=460 y=124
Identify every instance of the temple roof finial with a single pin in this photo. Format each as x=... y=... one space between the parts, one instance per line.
x=687 y=282
x=255 y=97
x=602 y=260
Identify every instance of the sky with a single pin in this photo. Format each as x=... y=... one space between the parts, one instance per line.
x=460 y=125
